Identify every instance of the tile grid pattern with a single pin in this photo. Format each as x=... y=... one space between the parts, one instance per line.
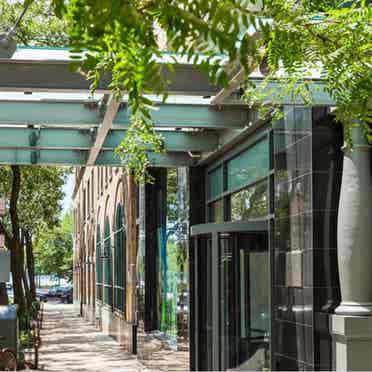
x=307 y=166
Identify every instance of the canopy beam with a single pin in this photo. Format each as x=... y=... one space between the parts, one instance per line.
x=88 y=114
x=83 y=139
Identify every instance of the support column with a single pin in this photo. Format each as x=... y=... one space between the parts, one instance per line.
x=351 y=326
x=352 y=336
x=354 y=232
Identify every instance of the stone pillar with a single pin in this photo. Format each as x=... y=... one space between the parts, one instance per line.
x=351 y=326
x=352 y=336
x=354 y=232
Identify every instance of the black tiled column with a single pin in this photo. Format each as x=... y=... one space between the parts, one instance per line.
x=308 y=162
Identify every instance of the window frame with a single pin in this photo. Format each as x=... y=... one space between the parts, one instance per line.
x=225 y=196
x=120 y=260
x=99 y=265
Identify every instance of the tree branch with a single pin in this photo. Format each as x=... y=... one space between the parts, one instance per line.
x=13 y=210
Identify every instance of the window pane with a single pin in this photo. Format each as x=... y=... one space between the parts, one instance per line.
x=215 y=183
x=250 y=203
x=216 y=211
x=248 y=166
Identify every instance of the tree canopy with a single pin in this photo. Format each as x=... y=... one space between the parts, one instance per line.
x=53 y=249
x=291 y=38
x=288 y=40
x=40 y=196
x=39 y=26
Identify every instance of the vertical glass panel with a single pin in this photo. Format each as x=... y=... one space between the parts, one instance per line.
x=173 y=243
x=248 y=166
x=107 y=291
x=215 y=211
x=249 y=203
x=244 y=301
x=98 y=265
x=141 y=255
x=119 y=260
x=215 y=182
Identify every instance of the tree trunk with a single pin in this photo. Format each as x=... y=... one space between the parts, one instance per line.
x=130 y=195
x=17 y=274
x=4 y=300
x=30 y=262
x=27 y=290
x=15 y=243
x=26 y=286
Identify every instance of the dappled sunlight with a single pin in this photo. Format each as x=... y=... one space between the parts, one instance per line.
x=70 y=343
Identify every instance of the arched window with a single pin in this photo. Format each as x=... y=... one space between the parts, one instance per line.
x=107 y=284
x=98 y=264
x=120 y=260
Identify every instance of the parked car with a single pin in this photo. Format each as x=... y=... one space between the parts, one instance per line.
x=52 y=292
x=42 y=294
x=67 y=295
x=59 y=291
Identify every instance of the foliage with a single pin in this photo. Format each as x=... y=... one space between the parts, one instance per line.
x=288 y=39
x=141 y=136
x=296 y=38
x=121 y=38
x=331 y=39
x=39 y=27
x=53 y=249
x=39 y=198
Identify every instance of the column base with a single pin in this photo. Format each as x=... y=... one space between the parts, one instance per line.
x=352 y=342
x=354 y=309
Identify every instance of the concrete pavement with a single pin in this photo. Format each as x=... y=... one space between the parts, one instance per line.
x=70 y=343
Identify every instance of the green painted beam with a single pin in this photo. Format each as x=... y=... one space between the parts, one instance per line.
x=167 y=160
x=87 y=114
x=79 y=158
x=47 y=138
x=173 y=140
x=192 y=116
x=43 y=157
x=49 y=112
x=78 y=139
x=57 y=75
x=319 y=95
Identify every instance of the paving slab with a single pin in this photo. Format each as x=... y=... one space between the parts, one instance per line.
x=70 y=343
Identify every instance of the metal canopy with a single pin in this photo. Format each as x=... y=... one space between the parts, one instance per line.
x=89 y=113
x=83 y=139
x=48 y=69
x=84 y=132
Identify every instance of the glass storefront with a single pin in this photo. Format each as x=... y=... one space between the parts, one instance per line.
x=231 y=262
x=163 y=278
x=233 y=288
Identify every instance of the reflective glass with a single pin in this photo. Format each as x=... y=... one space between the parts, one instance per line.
x=249 y=166
x=119 y=260
x=107 y=285
x=98 y=265
x=215 y=183
x=249 y=203
x=215 y=211
x=244 y=302
x=173 y=243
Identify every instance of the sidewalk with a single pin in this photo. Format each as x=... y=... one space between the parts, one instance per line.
x=70 y=343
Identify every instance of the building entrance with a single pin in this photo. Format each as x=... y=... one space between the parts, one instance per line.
x=232 y=296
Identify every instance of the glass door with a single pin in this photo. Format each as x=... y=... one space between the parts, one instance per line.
x=233 y=295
